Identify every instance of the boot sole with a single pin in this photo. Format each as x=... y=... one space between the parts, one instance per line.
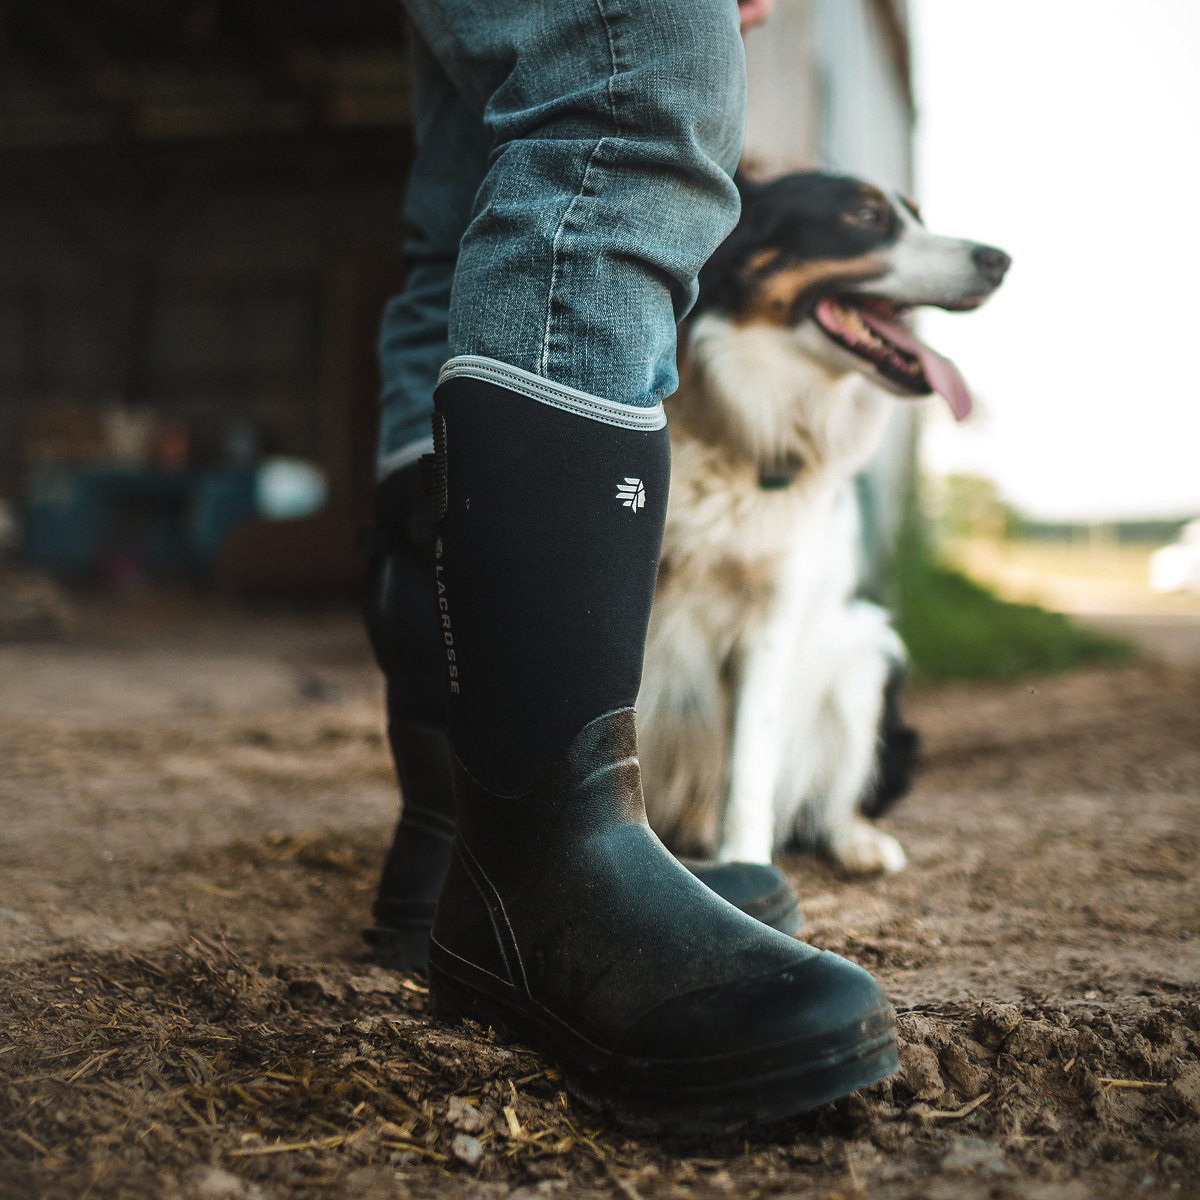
x=717 y=1108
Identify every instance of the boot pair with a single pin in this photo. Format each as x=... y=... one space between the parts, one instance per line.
x=562 y=919
x=415 y=868
x=401 y=624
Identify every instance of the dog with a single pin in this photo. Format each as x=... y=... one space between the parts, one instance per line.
x=768 y=715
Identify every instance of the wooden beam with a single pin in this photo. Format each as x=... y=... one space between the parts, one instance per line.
x=349 y=155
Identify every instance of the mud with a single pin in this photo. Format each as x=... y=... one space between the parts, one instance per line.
x=194 y=803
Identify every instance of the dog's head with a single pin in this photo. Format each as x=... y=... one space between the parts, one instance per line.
x=837 y=261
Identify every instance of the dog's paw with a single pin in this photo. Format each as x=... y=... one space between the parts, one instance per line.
x=864 y=850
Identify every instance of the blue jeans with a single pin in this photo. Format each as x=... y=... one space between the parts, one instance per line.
x=572 y=175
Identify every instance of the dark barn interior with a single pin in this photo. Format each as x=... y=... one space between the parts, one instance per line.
x=199 y=223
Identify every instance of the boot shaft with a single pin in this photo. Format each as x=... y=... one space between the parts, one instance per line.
x=552 y=514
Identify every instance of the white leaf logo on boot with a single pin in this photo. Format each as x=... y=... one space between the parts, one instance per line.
x=632 y=493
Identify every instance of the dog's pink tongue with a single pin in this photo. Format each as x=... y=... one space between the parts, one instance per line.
x=944 y=377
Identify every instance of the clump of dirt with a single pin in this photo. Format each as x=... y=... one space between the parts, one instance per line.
x=1049 y=1084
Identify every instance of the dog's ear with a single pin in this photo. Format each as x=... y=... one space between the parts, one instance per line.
x=912 y=206
x=723 y=283
x=749 y=183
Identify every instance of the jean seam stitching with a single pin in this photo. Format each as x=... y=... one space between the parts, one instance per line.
x=544 y=356
x=614 y=70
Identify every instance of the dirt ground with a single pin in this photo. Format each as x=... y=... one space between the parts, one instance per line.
x=195 y=799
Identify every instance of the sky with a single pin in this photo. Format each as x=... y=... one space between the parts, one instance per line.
x=1066 y=132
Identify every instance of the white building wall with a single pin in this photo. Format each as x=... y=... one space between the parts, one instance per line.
x=825 y=91
x=783 y=118
x=866 y=119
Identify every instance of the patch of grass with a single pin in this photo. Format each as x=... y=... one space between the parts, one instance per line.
x=956 y=628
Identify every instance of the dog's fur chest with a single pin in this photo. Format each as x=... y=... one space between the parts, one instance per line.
x=755 y=580
x=751 y=551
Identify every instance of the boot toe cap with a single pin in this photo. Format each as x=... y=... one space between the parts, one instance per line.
x=821 y=1011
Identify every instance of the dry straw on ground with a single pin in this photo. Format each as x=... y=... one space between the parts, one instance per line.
x=186 y=1012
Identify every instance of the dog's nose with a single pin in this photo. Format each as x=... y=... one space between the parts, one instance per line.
x=992 y=263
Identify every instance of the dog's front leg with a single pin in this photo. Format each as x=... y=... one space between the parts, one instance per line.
x=848 y=733
x=757 y=747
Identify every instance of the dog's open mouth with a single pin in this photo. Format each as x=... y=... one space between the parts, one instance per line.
x=870 y=328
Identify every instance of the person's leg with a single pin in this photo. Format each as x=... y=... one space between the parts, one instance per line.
x=563 y=919
x=616 y=129
x=453 y=147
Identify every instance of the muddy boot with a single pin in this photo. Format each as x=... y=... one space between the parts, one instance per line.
x=760 y=890
x=403 y=627
x=416 y=864
x=563 y=920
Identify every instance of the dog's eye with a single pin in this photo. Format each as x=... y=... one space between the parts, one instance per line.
x=865 y=216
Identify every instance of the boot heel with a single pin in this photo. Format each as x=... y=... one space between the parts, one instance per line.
x=399 y=949
x=452 y=1003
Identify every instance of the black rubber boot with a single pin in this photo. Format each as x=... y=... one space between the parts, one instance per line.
x=564 y=921
x=403 y=628
x=416 y=864
x=760 y=890
x=398 y=612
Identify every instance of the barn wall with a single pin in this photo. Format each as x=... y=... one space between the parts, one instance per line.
x=216 y=303
x=234 y=282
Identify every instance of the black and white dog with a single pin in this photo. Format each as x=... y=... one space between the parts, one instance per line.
x=767 y=683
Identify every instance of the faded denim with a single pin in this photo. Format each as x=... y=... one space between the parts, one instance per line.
x=573 y=173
